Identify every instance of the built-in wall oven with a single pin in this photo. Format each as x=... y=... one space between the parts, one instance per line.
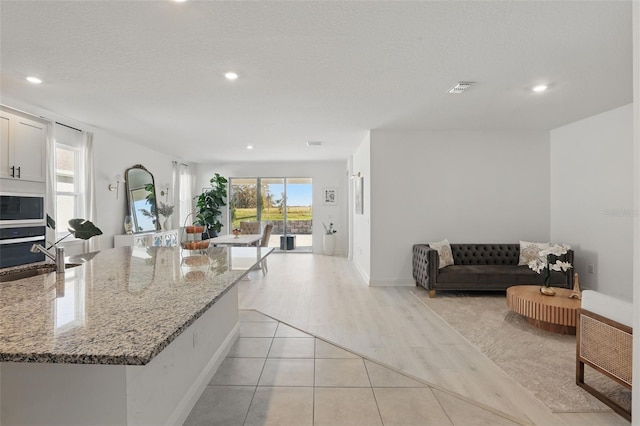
x=22 y=224
x=15 y=245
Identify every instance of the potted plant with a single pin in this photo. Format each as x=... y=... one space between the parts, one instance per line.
x=209 y=205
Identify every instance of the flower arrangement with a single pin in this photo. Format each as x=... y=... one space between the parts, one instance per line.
x=164 y=209
x=329 y=229
x=543 y=261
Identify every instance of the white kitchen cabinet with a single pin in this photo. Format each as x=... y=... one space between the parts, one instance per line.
x=22 y=147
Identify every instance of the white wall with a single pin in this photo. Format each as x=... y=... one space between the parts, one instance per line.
x=468 y=187
x=361 y=239
x=592 y=198
x=323 y=174
x=112 y=156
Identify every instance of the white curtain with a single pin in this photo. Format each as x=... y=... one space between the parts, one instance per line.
x=174 y=201
x=88 y=185
x=185 y=207
x=50 y=190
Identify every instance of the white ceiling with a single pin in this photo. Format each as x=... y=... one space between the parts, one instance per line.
x=151 y=72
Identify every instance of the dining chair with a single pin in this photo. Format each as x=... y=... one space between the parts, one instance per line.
x=264 y=242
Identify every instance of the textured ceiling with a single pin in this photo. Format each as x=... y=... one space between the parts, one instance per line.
x=152 y=71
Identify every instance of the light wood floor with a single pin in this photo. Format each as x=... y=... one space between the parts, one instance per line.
x=325 y=296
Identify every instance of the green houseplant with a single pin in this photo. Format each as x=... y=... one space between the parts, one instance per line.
x=209 y=205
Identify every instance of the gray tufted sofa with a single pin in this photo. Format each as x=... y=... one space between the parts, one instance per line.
x=480 y=267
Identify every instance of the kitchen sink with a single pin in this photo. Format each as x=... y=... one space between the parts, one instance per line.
x=32 y=272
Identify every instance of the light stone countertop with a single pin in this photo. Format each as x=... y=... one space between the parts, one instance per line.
x=121 y=307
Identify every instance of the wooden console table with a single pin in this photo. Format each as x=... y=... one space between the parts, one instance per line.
x=551 y=313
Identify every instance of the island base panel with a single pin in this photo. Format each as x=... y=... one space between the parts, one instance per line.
x=161 y=392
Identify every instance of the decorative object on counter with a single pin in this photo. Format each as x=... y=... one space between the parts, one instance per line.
x=576 y=288
x=329 y=239
x=80 y=228
x=141 y=196
x=236 y=232
x=193 y=240
x=165 y=211
x=544 y=262
x=209 y=205
x=128 y=225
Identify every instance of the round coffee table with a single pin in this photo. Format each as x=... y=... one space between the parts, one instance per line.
x=551 y=313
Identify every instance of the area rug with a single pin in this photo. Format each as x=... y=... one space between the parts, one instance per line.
x=541 y=361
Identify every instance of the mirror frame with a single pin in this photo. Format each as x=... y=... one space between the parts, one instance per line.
x=129 y=201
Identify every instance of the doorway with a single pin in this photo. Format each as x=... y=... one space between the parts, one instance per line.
x=285 y=203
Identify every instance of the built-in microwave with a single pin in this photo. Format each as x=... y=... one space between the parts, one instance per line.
x=18 y=209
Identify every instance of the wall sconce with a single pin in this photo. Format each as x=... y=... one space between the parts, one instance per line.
x=164 y=191
x=115 y=186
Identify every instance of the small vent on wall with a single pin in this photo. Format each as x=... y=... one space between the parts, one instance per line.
x=460 y=87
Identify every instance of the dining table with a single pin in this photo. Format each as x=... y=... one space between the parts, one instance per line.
x=237 y=240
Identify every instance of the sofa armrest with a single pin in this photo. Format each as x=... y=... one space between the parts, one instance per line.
x=425 y=265
x=421 y=265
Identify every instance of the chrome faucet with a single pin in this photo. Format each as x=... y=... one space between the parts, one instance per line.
x=58 y=259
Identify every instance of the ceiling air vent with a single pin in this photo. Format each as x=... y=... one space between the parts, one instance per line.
x=314 y=143
x=460 y=87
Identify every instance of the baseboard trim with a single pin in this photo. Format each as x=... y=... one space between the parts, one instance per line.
x=392 y=283
x=361 y=271
x=192 y=396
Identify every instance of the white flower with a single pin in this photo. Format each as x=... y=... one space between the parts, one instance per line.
x=560 y=266
x=555 y=249
x=541 y=263
x=537 y=265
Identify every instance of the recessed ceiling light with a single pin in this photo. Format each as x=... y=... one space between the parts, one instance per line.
x=179 y=1
x=34 y=80
x=539 y=88
x=314 y=143
x=249 y=146
x=231 y=75
x=460 y=87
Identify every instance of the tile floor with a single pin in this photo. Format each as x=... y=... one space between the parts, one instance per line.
x=278 y=375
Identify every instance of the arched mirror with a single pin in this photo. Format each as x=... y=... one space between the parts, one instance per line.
x=141 y=194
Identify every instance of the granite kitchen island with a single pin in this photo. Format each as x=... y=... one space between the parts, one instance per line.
x=131 y=336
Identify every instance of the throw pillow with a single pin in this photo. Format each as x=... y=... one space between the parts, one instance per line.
x=530 y=251
x=444 y=253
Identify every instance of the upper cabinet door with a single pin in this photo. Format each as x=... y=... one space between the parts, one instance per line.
x=29 y=150
x=22 y=148
x=5 y=161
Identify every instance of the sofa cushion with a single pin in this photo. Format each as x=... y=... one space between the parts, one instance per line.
x=530 y=251
x=495 y=274
x=444 y=253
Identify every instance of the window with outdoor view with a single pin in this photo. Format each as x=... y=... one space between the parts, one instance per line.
x=67 y=187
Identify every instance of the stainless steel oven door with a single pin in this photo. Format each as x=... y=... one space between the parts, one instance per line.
x=15 y=245
x=18 y=252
